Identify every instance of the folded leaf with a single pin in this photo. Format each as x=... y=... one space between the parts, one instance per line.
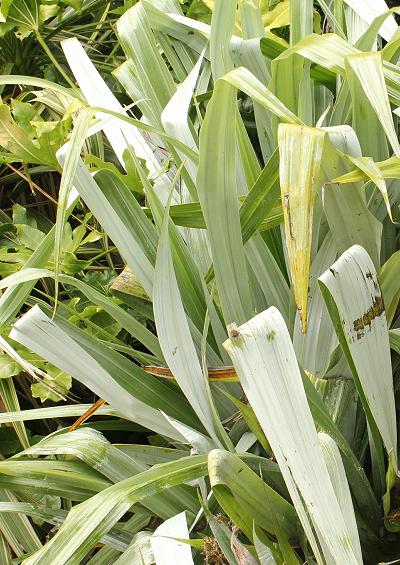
x=301 y=151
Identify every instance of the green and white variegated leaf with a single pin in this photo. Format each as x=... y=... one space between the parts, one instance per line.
x=93 y=448
x=368 y=10
x=11 y=403
x=353 y=296
x=97 y=93
x=368 y=68
x=168 y=550
x=347 y=213
x=246 y=52
x=16 y=529
x=244 y=80
x=5 y=551
x=189 y=32
x=301 y=19
x=52 y=412
x=153 y=77
x=340 y=485
x=330 y=51
x=128 y=322
x=264 y=554
x=268 y=274
x=174 y=117
x=175 y=120
x=238 y=489
x=199 y=441
x=251 y=19
x=264 y=359
x=356 y=27
x=218 y=196
x=40 y=334
x=222 y=24
x=176 y=341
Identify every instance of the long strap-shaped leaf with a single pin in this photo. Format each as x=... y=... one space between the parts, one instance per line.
x=301 y=151
x=91 y=447
x=263 y=355
x=368 y=10
x=86 y=523
x=238 y=489
x=176 y=340
x=222 y=24
x=330 y=51
x=354 y=300
x=97 y=93
x=40 y=334
x=301 y=19
x=218 y=196
x=368 y=67
x=70 y=164
x=340 y=485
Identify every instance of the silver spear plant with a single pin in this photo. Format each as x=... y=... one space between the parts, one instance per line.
x=253 y=197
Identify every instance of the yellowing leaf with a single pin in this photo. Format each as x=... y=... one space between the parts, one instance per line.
x=300 y=150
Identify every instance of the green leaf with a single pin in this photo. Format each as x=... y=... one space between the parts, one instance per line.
x=87 y=522
x=23 y=141
x=70 y=164
x=25 y=15
x=239 y=491
x=58 y=380
x=176 y=341
x=220 y=205
x=368 y=68
x=8 y=367
x=261 y=199
x=55 y=345
x=389 y=281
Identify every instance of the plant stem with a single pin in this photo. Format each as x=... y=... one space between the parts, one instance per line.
x=50 y=55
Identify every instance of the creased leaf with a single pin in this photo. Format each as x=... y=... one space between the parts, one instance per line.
x=301 y=151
